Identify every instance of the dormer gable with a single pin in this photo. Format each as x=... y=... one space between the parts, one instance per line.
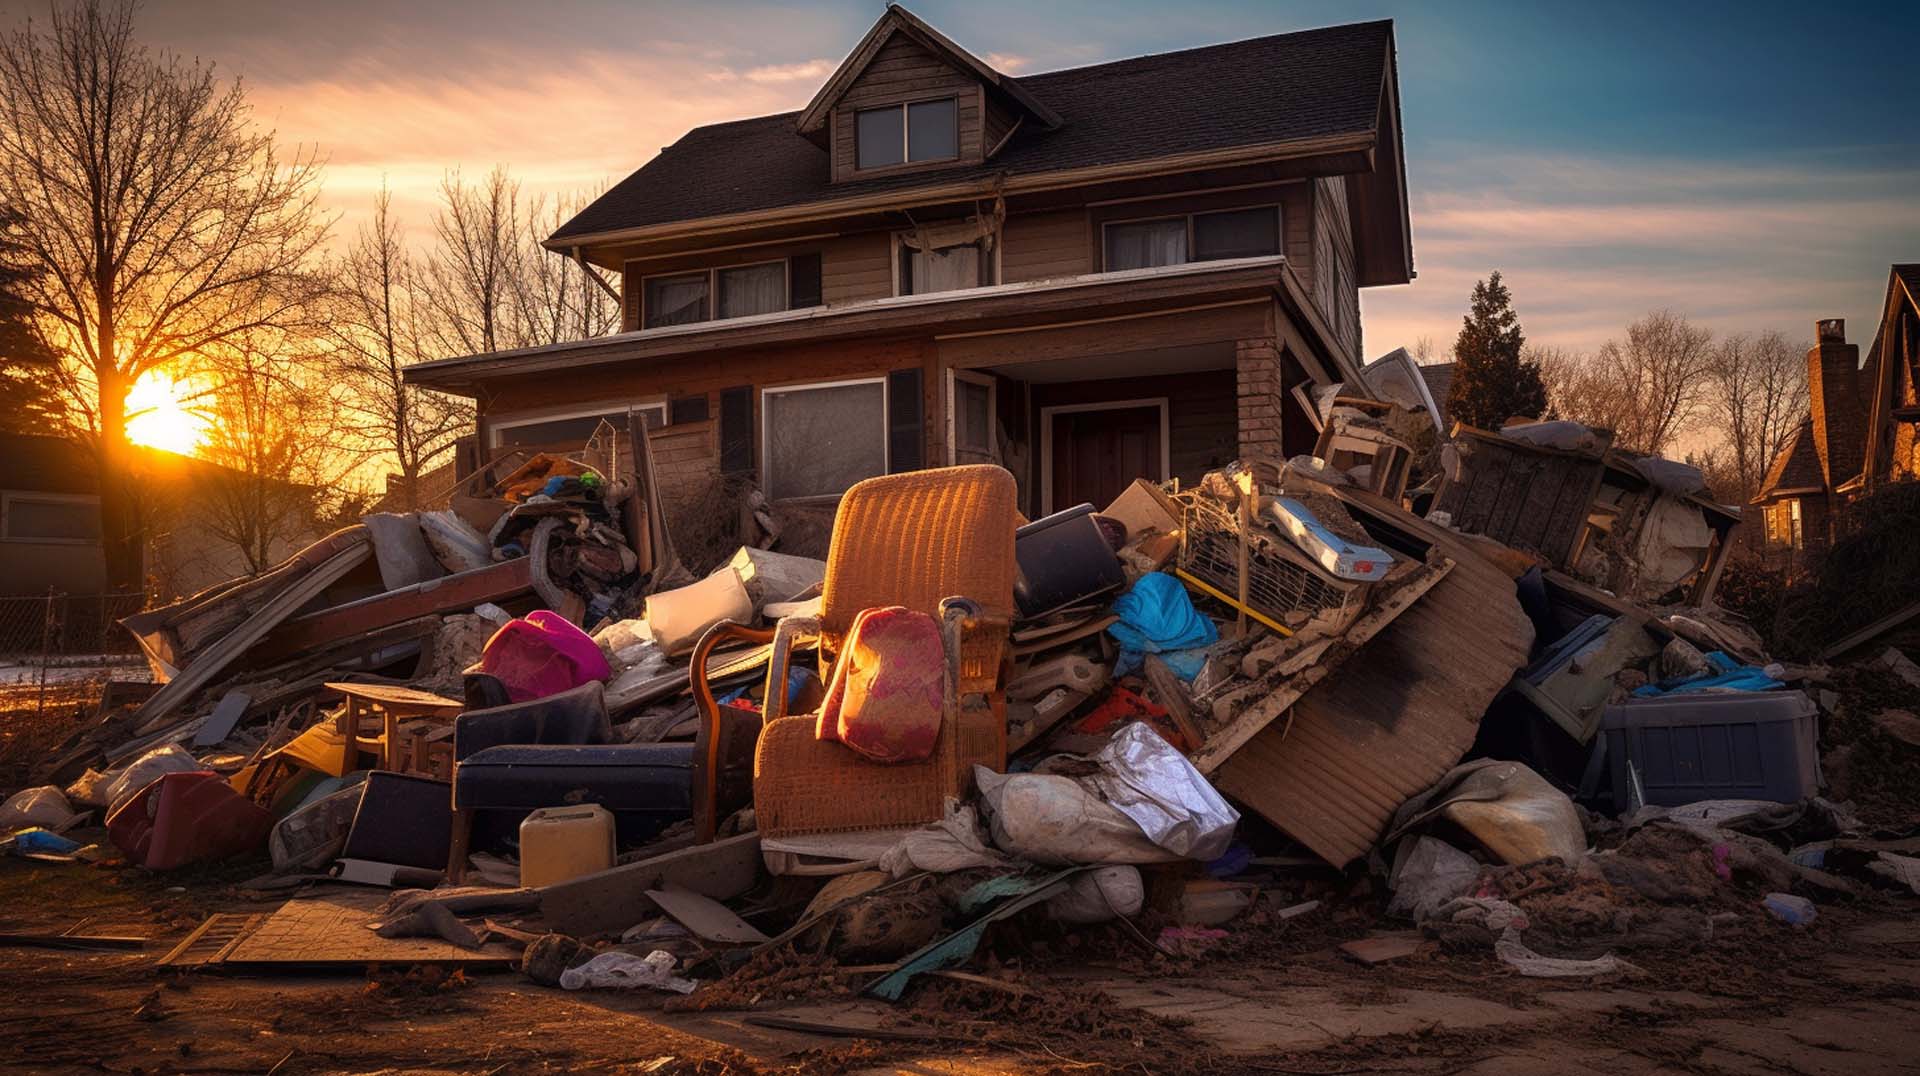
x=908 y=99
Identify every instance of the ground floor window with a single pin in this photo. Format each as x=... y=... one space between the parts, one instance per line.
x=49 y=517
x=572 y=428
x=821 y=438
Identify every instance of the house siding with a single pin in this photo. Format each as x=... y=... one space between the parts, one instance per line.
x=1036 y=246
x=903 y=71
x=1335 y=289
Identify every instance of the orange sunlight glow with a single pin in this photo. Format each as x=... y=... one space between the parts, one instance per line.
x=158 y=414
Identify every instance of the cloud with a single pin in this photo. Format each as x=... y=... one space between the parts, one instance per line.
x=1590 y=244
x=811 y=71
x=1008 y=63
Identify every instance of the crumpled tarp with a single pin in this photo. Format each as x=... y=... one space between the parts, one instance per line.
x=1157 y=617
x=1730 y=676
x=1144 y=778
x=1511 y=810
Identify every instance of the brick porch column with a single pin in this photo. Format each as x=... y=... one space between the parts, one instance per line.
x=1257 y=375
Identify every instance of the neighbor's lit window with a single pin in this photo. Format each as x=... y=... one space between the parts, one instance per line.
x=908 y=133
x=822 y=438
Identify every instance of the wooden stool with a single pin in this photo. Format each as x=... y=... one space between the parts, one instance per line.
x=370 y=716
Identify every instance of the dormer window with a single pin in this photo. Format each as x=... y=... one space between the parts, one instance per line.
x=909 y=133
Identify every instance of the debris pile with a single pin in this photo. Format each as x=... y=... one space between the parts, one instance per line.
x=1189 y=712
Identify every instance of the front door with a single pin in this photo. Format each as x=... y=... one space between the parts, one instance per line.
x=1096 y=454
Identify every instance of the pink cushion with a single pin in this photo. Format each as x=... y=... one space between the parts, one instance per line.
x=888 y=686
x=542 y=654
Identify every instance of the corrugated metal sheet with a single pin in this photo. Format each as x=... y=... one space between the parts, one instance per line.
x=1396 y=716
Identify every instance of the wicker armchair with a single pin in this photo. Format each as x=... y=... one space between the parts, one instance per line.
x=914 y=540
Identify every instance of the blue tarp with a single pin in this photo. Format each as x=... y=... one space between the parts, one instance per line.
x=1157 y=617
x=1731 y=676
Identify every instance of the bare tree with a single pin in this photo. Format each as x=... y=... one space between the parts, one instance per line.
x=554 y=298
x=161 y=220
x=272 y=478
x=471 y=275
x=1759 y=397
x=1647 y=388
x=381 y=326
x=1424 y=351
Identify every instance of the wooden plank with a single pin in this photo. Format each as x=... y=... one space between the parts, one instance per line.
x=616 y=898
x=1871 y=631
x=705 y=917
x=462 y=590
x=1258 y=716
x=158 y=709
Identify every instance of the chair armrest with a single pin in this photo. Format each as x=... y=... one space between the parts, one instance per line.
x=789 y=628
x=709 y=742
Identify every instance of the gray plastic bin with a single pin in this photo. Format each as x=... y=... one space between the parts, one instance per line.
x=1747 y=745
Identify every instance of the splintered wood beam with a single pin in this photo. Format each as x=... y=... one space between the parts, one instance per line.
x=1259 y=715
x=459 y=591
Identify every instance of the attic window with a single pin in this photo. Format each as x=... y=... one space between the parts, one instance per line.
x=907 y=133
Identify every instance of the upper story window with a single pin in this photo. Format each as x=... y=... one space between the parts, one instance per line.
x=907 y=133
x=733 y=291
x=943 y=268
x=1192 y=237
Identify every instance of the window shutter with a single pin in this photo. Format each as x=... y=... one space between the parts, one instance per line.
x=906 y=434
x=687 y=409
x=803 y=281
x=736 y=429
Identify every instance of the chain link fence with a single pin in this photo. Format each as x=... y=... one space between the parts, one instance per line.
x=46 y=627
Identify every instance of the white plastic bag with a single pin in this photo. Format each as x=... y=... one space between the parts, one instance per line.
x=1052 y=820
x=143 y=771
x=1147 y=780
x=43 y=806
x=624 y=971
x=1097 y=896
x=1431 y=873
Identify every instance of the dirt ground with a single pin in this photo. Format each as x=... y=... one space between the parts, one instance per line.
x=1841 y=996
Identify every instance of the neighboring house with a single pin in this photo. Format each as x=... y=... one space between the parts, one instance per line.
x=50 y=521
x=1134 y=269
x=1861 y=428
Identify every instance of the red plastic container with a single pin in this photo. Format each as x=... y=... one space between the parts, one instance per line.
x=187 y=818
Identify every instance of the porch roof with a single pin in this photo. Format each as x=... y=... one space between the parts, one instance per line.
x=1033 y=302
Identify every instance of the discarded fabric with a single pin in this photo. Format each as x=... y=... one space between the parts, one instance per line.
x=1045 y=818
x=625 y=971
x=1157 y=617
x=1727 y=675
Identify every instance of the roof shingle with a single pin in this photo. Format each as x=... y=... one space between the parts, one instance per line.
x=1313 y=83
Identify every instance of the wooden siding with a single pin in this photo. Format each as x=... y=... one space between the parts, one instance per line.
x=903 y=71
x=852 y=268
x=1035 y=246
x=1335 y=287
x=996 y=122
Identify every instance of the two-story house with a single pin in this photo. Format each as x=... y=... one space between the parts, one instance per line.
x=1134 y=269
x=1862 y=429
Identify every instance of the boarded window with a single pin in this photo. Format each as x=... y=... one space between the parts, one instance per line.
x=52 y=519
x=676 y=300
x=736 y=429
x=820 y=439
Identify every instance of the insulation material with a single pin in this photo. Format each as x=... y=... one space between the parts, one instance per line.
x=1673 y=545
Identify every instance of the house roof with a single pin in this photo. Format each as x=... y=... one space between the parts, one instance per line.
x=1796 y=469
x=1909 y=275
x=1263 y=91
x=1028 y=303
x=1439 y=379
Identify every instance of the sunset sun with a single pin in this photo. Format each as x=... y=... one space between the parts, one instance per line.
x=159 y=414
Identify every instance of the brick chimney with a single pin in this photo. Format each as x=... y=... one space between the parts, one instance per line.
x=1838 y=405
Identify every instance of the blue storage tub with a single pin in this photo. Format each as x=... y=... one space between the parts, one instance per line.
x=1736 y=745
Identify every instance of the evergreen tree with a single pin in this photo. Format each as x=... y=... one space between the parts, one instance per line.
x=29 y=369
x=1492 y=381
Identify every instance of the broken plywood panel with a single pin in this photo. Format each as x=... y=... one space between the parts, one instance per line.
x=1395 y=718
x=322 y=932
x=615 y=899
